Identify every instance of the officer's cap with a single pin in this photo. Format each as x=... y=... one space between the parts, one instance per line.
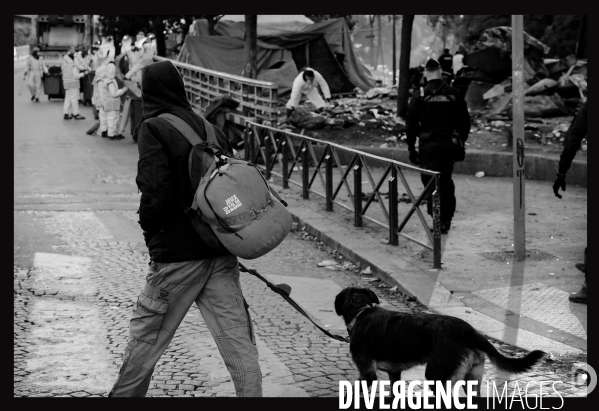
x=432 y=64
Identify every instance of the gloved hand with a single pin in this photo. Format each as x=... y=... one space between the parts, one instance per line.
x=289 y=111
x=560 y=182
x=414 y=157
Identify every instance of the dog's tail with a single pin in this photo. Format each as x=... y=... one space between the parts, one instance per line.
x=507 y=364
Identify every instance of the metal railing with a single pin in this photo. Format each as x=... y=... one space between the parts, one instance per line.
x=273 y=146
x=257 y=99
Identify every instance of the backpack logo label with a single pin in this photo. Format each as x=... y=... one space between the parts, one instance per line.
x=233 y=203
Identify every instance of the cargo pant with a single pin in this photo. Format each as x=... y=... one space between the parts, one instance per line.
x=112 y=120
x=34 y=82
x=169 y=292
x=71 y=101
x=437 y=158
x=103 y=119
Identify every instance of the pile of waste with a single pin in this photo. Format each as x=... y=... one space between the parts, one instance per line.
x=346 y=112
x=553 y=87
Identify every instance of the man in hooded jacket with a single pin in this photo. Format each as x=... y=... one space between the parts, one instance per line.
x=183 y=268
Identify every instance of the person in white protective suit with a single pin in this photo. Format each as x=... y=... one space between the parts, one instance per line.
x=145 y=59
x=98 y=103
x=70 y=82
x=307 y=83
x=107 y=51
x=33 y=73
x=111 y=101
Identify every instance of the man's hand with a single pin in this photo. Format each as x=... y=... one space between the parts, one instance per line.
x=560 y=182
x=414 y=157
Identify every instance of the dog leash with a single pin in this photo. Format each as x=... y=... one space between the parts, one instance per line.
x=285 y=294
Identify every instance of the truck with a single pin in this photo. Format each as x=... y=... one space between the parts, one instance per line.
x=56 y=34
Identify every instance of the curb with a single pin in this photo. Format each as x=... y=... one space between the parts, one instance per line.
x=415 y=283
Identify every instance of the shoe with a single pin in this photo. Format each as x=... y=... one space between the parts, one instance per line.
x=117 y=137
x=445 y=227
x=79 y=117
x=37 y=100
x=582 y=267
x=32 y=98
x=67 y=117
x=579 y=297
x=105 y=134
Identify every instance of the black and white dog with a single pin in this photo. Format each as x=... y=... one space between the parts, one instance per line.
x=394 y=342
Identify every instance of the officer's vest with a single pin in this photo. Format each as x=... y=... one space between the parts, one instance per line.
x=110 y=103
x=68 y=77
x=439 y=111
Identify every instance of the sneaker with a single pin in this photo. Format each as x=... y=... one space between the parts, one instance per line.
x=37 y=100
x=582 y=267
x=579 y=297
x=32 y=98
x=117 y=137
x=105 y=134
x=67 y=117
x=79 y=117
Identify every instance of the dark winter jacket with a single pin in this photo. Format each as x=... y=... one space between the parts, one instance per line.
x=576 y=132
x=433 y=118
x=162 y=169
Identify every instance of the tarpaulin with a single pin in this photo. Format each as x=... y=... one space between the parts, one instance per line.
x=324 y=46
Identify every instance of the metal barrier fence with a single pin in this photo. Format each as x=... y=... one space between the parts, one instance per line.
x=287 y=149
x=257 y=99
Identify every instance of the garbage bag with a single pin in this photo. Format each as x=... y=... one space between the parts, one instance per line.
x=305 y=119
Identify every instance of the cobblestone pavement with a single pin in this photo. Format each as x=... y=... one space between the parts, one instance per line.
x=72 y=311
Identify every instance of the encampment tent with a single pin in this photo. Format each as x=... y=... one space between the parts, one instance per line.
x=324 y=46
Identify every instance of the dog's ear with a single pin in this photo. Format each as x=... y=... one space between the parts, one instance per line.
x=340 y=301
x=372 y=296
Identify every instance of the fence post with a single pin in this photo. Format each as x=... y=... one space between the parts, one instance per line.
x=358 y=193
x=329 y=180
x=267 y=155
x=246 y=142
x=393 y=219
x=305 y=173
x=285 y=161
x=436 y=225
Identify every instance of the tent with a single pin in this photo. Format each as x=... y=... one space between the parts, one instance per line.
x=325 y=47
x=269 y=24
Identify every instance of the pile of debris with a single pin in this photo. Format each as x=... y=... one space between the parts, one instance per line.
x=347 y=112
x=553 y=87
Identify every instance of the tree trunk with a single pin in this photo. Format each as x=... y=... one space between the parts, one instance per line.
x=394 y=56
x=581 y=44
x=211 y=25
x=160 y=40
x=251 y=28
x=404 y=65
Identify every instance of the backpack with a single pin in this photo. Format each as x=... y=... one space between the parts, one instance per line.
x=233 y=204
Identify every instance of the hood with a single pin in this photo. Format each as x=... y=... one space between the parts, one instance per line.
x=163 y=91
x=100 y=73
x=110 y=70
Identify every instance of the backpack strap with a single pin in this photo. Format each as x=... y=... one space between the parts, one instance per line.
x=188 y=132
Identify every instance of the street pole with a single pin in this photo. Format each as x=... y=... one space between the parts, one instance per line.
x=518 y=132
x=394 y=56
x=251 y=27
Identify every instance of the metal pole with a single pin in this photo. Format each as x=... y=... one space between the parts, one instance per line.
x=518 y=132
x=394 y=51
x=285 y=163
x=267 y=156
x=305 y=174
x=329 y=181
x=437 y=223
x=358 y=193
x=393 y=203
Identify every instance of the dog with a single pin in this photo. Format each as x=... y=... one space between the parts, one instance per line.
x=393 y=342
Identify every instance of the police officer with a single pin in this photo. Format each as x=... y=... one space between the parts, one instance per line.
x=439 y=117
x=572 y=142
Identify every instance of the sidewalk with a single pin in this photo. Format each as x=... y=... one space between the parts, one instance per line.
x=524 y=304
